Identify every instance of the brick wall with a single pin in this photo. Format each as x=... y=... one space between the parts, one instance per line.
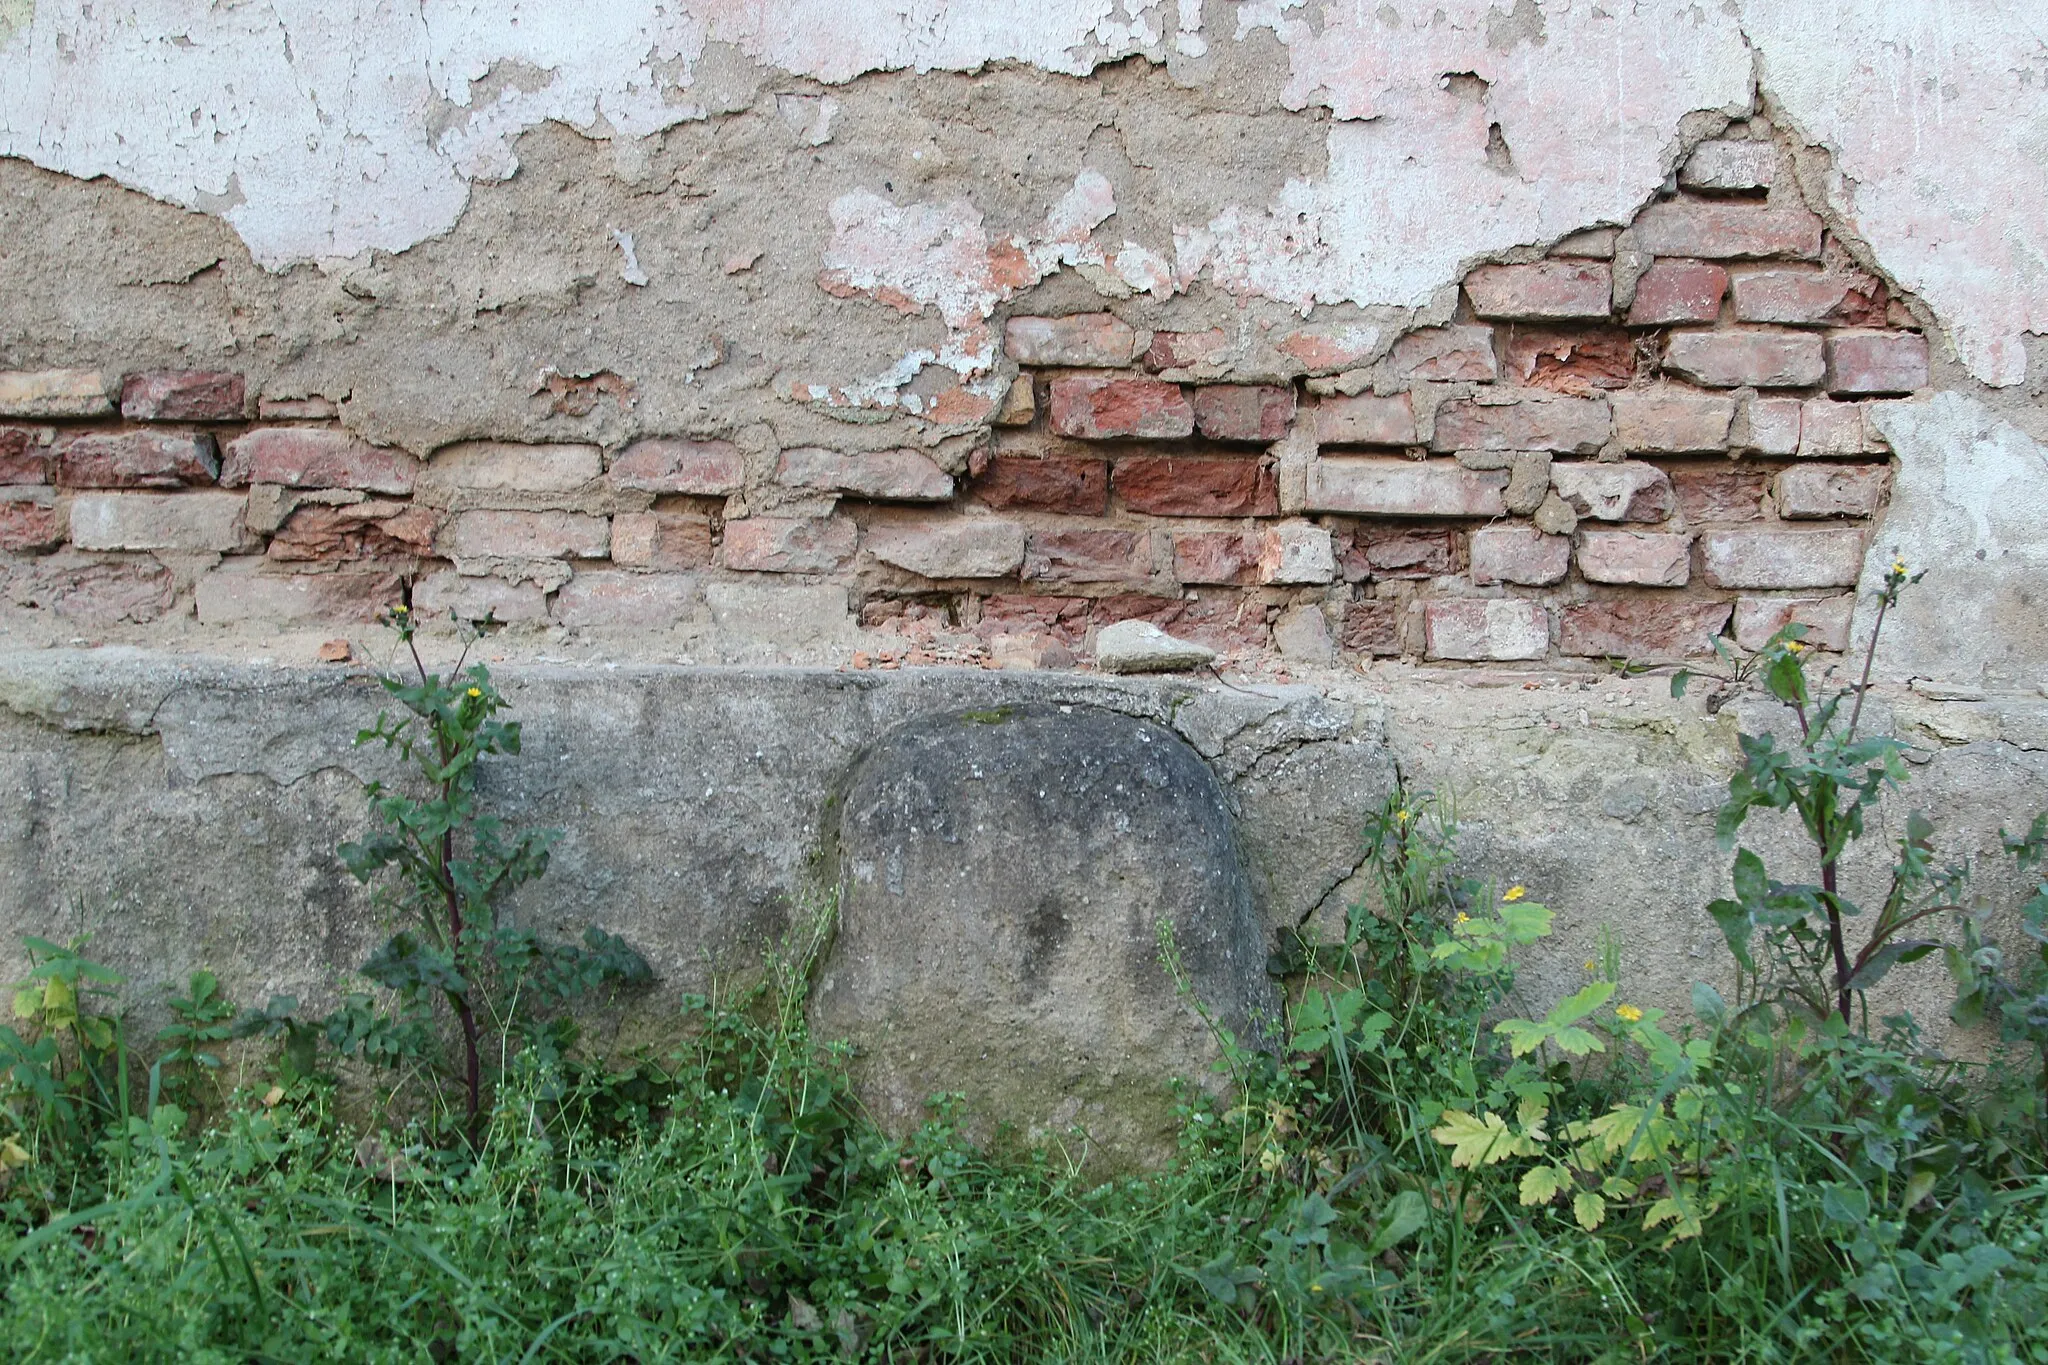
x=1653 y=437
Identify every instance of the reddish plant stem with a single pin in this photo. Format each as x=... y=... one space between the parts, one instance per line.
x=1841 y=954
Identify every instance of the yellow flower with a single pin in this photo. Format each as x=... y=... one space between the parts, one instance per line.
x=1515 y=892
x=476 y=691
x=1899 y=567
x=1403 y=815
x=1629 y=1013
x=1464 y=918
x=1589 y=964
x=1793 y=646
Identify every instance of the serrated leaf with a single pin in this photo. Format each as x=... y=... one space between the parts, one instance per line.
x=1581 y=1003
x=1540 y=1184
x=1578 y=1042
x=1406 y=1214
x=1524 y=1036
x=1474 y=1141
x=1590 y=1209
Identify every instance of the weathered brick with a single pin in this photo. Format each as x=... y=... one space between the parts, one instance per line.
x=30 y=520
x=1185 y=350
x=1669 y=420
x=1333 y=346
x=1527 y=420
x=1805 y=298
x=53 y=393
x=1446 y=353
x=880 y=475
x=1302 y=634
x=1051 y=483
x=240 y=592
x=1216 y=556
x=365 y=530
x=1101 y=408
x=1712 y=494
x=1727 y=164
x=1830 y=428
x=1641 y=628
x=1773 y=425
x=1655 y=559
x=1169 y=486
x=1366 y=420
x=1595 y=242
x=95 y=591
x=1782 y=559
x=1371 y=627
x=707 y=469
x=183 y=396
x=1542 y=290
x=1876 y=362
x=1094 y=555
x=1727 y=360
x=1099 y=340
x=478 y=599
x=158 y=521
x=1244 y=412
x=1229 y=623
x=1062 y=618
x=475 y=474
x=1724 y=231
x=1826 y=619
x=1515 y=552
x=1402 y=552
x=136 y=459
x=24 y=456
x=615 y=597
x=312 y=409
x=1297 y=552
x=963 y=547
x=1019 y=405
x=1486 y=628
x=784 y=544
x=1678 y=291
x=1386 y=485
x=1579 y=360
x=663 y=540
x=1810 y=491
x=525 y=535
x=1627 y=490
x=307 y=457
x=777 y=610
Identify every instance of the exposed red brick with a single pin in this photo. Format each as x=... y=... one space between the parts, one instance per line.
x=1476 y=628
x=136 y=459
x=53 y=393
x=662 y=540
x=956 y=405
x=364 y=530
x=1810 y=491
x=307 y=457
x=1135 y=606
x=1551 y=289
x=1019 y=406
x=30 y=521
x=1371 y=627
x=1446 y=353
x=1730 y=164
x=1654 y=559
x=1527 y=420
x=313 y=409
x=1678 y=291
x=1171 y=486
x=1876 y=362
x=671 y=465
x=1408 y=552
x=94 y=591
x=1389 y=485
x=526 y=535
x=1244 y=412
x=1051 y=483
x=1516 y=552
x=242 y=591
x=1726 y=360
x=1830 y=428
x=882 y=475
x=1216 y=556
x=1774 y=425
x=1063 y=618
x=1641 y=628
x=1088 y=556
x=1725 y=231
x=1085 y=339
x=781 y=544
x=1627 y=490
x=1230 y=623
x=1579 y=361
x=23 y=457
x=1185 y=350
x=1717 y=494
x=1805 y=298
x=1099 y=408
x=1366 y=420
x=1826 y=619
x=183 y=396
x=960 y=547
x=1782 y=559
x=1339 y=346
x=1667 y=419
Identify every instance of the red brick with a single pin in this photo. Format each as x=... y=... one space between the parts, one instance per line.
x=1216 y=556
x=477 y=599
x=1727 y=360
x=136 y=459
x=1806 y=298
x=1446 y=353
x=1051 y=483
x=1552 y=289
x=782 y=544
x=1230 y=623
x=1641 y=628
x=245 y=591
x=1876 y=362
x=363 y=530
x=1085 y=339
x=307 y=457
x=1724 y=231
x=617 y=598
x=1088 y=556
x=1337 y=346
x=1366 y=420
x=1774 y=425
x=1782 y=559
x=662 y=540
x=53 y=393
x=1388 y=485
x=1678 y=291
x=1185 y=350
x=1714 y=494
x=29 y=520
x=1579 y=361
x=507 y=474
x=1655 y=559
x=1170 y=486
x=96 y=592
x=1811 y=491
x=1826 y=619
x=1372 y=627
x=1063 y=618
x=1244 y=412
x=711 y=469
x=1526 y=421
x=1019 y=406
x=881 y=475
x=183 y=396
x=526 y=535
x=1670 y=420
x=23 y=457
x=1830 y=428
x=1627 y=490
x=1100 y=408
x=960 y=547
x=1476 y=628
x=1407 y=552
x=1136 y=606
x=1728 y=164
x=1516 y=552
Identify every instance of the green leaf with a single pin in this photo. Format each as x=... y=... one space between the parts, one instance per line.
x=1679 y=681
x=1590 y=1209
x=1581 y=1003
x=1406 y=1214
x=1475 y=1141
x=1708 y=1006
x=1577 y=1041
x=1525 y=922
x=1845 y=1204
x=1540 y=1184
